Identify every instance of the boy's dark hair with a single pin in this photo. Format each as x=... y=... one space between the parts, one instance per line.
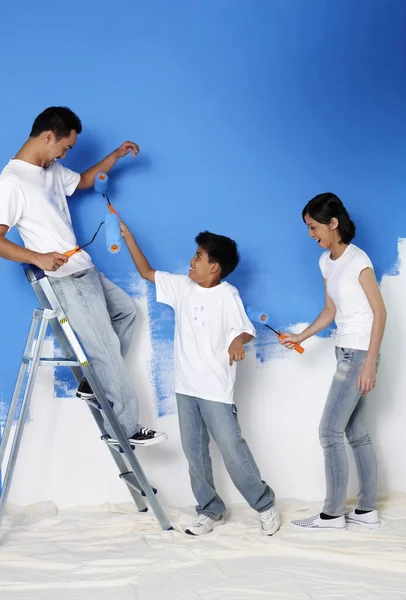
x=59 y=119
x=324 y=207
x=220 y=249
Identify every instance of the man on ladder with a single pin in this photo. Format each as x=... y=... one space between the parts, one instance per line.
x=33 y=190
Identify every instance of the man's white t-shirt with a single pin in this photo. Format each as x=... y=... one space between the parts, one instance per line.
x=207 y=320
x=354 y=315
x=34 y=200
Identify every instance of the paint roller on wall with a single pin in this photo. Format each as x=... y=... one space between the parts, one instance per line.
x=113 y=235
x=257 y=316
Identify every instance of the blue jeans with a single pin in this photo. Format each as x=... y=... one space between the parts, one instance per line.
x=103 y=317
x=198 y=418
x=345 y=412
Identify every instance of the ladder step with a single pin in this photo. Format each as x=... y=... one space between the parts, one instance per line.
x=54 y=362
x=133 y=483
x=64 y=362
x=113 y=445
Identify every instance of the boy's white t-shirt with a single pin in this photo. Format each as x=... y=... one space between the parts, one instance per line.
x=34 y=200
x=354 y=315
x=207 y=320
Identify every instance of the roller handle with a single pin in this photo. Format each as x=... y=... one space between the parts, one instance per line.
x=70 y=253
x=297 y=347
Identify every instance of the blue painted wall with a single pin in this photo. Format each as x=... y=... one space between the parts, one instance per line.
x=243 y=111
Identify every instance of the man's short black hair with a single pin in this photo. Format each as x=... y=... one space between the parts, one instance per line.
x=59 y=119
x=220 y=249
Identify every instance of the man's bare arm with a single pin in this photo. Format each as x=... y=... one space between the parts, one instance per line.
x=51 y=261
x=104 y=166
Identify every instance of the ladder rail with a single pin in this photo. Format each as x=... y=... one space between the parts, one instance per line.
x=18 y=385
x=23 y=414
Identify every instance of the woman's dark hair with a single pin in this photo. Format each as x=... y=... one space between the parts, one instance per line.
x=324 y=207
x=59 y=119
x=220 y=249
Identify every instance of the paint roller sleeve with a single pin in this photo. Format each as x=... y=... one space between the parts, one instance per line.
x=101 y=183
x=256 y=316
x=113 y=235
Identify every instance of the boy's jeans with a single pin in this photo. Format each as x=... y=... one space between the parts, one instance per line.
x=345 y=411
x=198 y=418
x=103 y=317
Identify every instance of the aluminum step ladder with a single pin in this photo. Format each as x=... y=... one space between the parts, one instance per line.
x=74 y=357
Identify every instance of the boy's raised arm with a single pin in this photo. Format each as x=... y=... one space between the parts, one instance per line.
x=143 y=266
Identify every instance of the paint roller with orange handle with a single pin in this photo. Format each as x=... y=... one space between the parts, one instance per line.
x=113 y=234
x=260 y=317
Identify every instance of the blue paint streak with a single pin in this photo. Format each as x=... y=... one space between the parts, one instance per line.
x=4 y=405
x=162 y=327
x=266 y=345
x=65 y=385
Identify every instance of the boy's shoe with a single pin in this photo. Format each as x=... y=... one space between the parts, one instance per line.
x=270 y=521
x=370 y=519
x=143 y=437
x=203 y=524
x=323 y=524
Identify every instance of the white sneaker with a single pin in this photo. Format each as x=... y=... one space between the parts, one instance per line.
x=270 y=521
x=317 y=523
x=369 y=519
x=203 y=524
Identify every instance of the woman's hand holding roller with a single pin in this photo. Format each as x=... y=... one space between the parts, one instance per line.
x=290 y=339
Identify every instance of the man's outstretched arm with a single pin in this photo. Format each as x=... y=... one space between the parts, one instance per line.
x=104 y=166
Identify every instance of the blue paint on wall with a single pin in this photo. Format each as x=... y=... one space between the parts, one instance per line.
x=243 y=111
x=162 y=327
x=64 y=383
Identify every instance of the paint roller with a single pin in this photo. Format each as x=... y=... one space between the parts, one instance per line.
x=113 y=234
x=260 y=317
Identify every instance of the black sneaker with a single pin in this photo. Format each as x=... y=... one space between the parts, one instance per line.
x=84 y=390
x=143 y=437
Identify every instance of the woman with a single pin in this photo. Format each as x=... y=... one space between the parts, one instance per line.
x=354 y=302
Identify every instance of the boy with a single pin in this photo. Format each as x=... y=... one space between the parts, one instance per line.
x=211 y=330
